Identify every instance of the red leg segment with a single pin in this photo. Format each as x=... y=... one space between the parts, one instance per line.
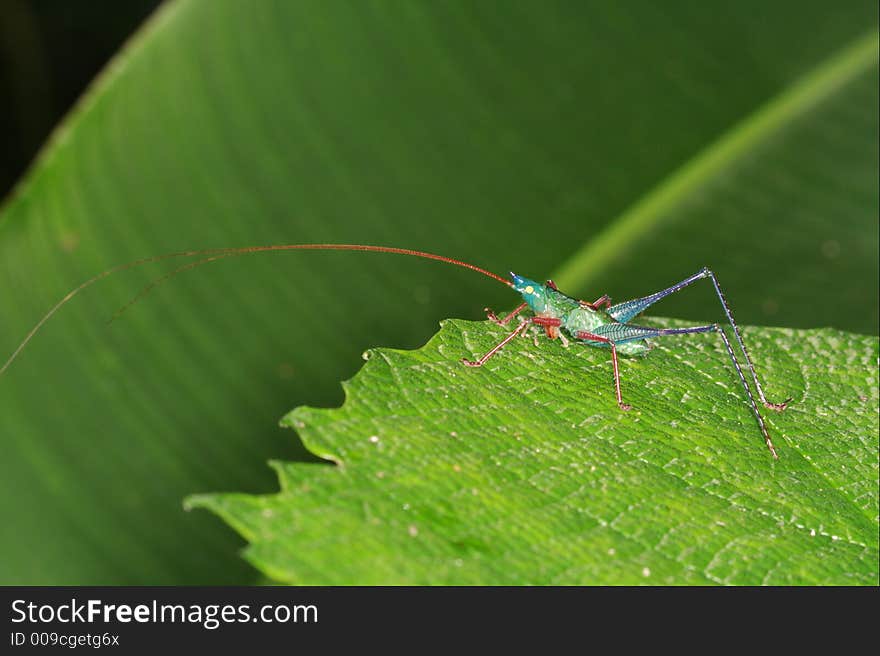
x=551 y=322
x=551 y=325
x=604 y=299
x=498 y=347
x=597 y=338
x=503 y=322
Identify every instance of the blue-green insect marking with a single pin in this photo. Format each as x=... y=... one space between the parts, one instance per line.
x=575 y=316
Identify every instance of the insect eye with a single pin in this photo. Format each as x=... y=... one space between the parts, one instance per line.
x=530 y=290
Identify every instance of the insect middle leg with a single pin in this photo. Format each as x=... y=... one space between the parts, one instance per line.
x=604 y=299
x=604 y=340
x=624 y=312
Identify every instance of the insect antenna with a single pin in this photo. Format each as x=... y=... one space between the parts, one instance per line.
x=220 y=253
x=164 y=278
x=88 y=283
x=282 y=247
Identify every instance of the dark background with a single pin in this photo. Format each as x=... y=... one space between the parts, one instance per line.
x=50 y=50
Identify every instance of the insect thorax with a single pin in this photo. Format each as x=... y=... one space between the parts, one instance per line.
x=583 y=319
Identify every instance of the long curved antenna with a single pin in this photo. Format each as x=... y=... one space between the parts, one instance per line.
x=354 y=247
x=164 y=278
x=88 y=283
x=218 y=253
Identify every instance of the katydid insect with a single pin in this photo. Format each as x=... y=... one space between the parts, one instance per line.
x=558 y=316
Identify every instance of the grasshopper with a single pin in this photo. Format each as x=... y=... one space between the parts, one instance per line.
x=597 y=324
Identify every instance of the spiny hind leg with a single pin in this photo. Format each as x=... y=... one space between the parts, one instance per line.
x=624 y=312
x=644 y=333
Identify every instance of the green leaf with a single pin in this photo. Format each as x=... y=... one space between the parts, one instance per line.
x=504 y=133
x=526 y=472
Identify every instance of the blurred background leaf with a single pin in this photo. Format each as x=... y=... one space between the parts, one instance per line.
x=506 y=133
x=49 y=50
x=784 y=204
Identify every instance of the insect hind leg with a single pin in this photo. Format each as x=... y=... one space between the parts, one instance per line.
x=661 y=332
x=626 y=311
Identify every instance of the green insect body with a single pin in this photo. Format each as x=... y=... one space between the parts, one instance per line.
x=575 y=315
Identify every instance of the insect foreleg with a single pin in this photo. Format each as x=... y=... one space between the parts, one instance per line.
x=624 y=312
x=497 y=347
x=503 y=322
